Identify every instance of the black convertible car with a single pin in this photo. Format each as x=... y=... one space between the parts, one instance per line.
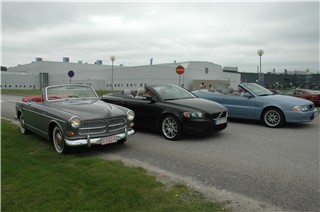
x=172 y=110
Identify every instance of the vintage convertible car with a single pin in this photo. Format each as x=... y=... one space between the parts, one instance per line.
x=73 y=115
x=253 y=101
x=172 y=110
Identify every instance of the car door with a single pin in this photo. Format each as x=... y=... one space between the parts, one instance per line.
x=146 y=112
x=35 y=116
x=240 y=106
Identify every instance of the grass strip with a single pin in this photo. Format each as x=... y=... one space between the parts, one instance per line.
x=36 y=178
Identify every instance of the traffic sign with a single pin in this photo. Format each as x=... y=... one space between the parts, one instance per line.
x=70 y=73
x=180 y=70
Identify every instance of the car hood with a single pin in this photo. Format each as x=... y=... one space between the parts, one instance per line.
x=199 y=104
x=88 y=109
x=287 y=99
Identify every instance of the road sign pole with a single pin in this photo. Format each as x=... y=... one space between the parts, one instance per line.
x=179 y=71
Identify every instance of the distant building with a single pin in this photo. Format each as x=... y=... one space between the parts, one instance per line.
x=41 y=73
x=230 y=69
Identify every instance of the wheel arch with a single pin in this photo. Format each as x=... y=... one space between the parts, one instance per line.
x=272 y=107
x=51 y=126
x=19 y=113
x=167 y=113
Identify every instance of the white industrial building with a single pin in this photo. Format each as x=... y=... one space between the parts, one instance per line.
x=38 y=74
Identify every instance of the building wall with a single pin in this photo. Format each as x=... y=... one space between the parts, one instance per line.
x=22 y=81
x=100 y=76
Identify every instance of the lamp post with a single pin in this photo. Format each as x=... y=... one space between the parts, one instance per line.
x=260 y=52
x=112 y=58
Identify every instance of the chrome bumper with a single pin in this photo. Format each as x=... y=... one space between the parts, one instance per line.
x=92 y=141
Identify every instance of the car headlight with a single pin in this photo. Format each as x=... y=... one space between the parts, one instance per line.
x=75 y=122
x=300 y=108
x=130 y=115
x=194 y=115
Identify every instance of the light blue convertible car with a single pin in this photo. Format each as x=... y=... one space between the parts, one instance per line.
x=252 y=101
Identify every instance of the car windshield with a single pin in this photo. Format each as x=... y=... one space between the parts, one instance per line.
x=172 y=92
x=256 y=89
x=63 y=92
x=312 y=91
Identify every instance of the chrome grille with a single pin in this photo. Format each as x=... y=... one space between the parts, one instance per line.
x=311 y=107
x=103 y=126
x=116 y=124
x=219 y=115
x=92 y=127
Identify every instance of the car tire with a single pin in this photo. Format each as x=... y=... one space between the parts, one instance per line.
x=58 y=141
x=170 y=127
x=273 y=118
x=23 y=128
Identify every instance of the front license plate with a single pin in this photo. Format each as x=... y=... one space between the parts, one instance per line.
x=221 y=121
x=109 y=140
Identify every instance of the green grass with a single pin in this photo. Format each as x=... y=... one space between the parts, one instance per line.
x=20 y=92
x=36 y=178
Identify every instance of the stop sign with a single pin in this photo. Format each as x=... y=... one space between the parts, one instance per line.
x=180 y=70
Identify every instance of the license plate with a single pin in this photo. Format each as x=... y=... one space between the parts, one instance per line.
x=109 y=140
x=221 y=121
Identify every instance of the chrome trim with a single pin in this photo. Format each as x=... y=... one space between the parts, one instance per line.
x=29 y=126
x=88 y=141
x=53 y=118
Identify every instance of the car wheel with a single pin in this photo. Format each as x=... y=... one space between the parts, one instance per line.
x=170 y=127
x=273 y=117
x=58 y=140
x=23 y=128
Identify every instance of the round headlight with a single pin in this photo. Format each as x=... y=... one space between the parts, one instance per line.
x=75 y=122
x=130 y=115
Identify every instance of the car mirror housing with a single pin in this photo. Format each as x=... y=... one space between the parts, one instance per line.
x=248 y=95
x=152 y=99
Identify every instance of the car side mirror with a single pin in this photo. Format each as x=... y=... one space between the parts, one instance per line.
x=248 y=95
x=152 y=99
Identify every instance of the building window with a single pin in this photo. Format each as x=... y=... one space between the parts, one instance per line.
x=206 y=70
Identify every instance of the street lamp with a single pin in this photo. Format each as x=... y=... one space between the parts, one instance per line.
x=112 y=58
x=260 y=52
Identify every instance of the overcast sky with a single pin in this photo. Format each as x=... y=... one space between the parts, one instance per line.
x=225 y=33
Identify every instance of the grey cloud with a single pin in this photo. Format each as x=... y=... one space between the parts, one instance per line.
x=224 y=33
